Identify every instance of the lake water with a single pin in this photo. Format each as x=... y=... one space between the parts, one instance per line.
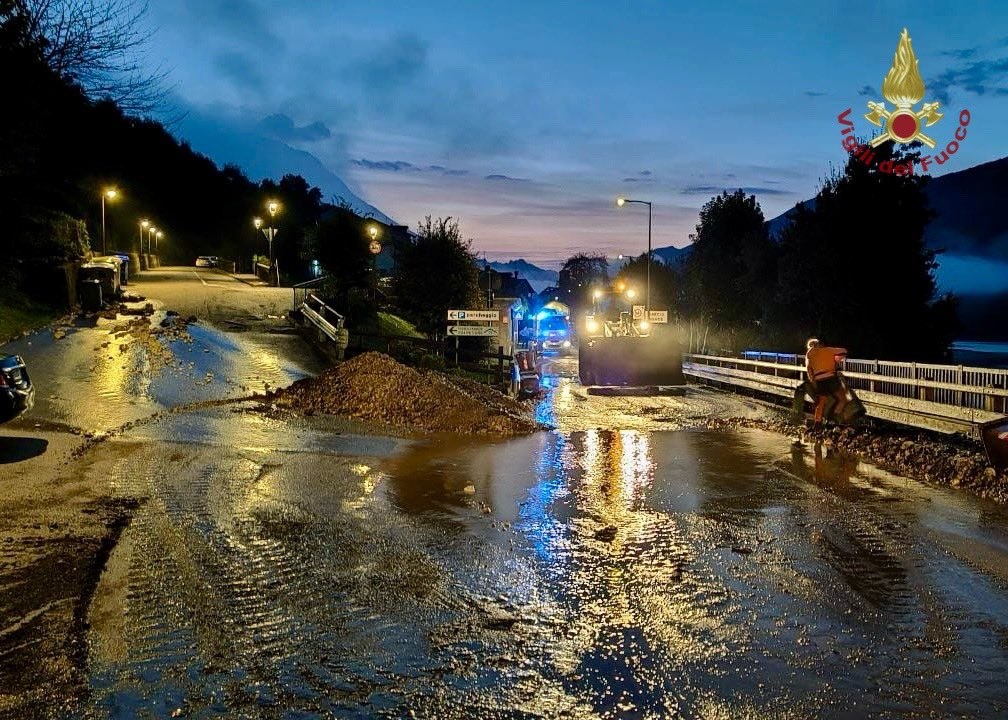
x=982 y=354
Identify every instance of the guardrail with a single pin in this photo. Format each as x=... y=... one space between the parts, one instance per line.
x=304 y=289
x=946 y=398
x=328 y=321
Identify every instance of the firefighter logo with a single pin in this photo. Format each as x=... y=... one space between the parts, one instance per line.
x=904 y=88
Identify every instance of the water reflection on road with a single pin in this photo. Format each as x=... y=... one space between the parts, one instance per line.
x=99 y=378
x=593 y=573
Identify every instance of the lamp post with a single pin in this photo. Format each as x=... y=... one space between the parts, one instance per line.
x=150 y=233
x=273 y=206
x=109 y=193
x=375 y=247
x=157 y=236
x=620 y=202
x=257 y=224
x=143 y=226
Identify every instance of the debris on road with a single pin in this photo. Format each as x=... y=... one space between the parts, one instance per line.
x=956 y=460
x=149 y=337
x=375 y=387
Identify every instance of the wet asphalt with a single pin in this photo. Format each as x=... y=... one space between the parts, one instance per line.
x=621 y=565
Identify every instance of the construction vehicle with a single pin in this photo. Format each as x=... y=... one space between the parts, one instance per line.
x=615 y=349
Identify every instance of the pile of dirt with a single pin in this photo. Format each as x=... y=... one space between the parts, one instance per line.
x=376 y=388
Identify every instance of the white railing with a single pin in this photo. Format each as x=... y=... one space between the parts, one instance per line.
x=947 y=398
x=323 y=317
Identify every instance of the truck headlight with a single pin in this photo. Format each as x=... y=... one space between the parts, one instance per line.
x=566 y=343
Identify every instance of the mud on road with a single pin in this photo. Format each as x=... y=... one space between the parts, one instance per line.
x=588 y=573
x=627 y=564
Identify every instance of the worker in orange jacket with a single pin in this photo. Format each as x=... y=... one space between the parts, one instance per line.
x=821 y=365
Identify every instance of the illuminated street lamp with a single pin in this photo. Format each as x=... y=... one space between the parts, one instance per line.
x=150 y=233
x=375 y=247
x=620 y=202
x=157 y=236
x=143 y=226
x=273 y=207
x=109 y=193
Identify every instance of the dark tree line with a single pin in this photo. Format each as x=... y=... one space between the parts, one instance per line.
x=68 y=133
x=72 y=74
x=851 y=267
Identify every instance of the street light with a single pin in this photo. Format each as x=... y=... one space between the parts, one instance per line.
x=143 y=226
x=157 y=236
x=109 y=193
x=375 y=248
x=620 y=202
x=150 y=233
x=274 y=207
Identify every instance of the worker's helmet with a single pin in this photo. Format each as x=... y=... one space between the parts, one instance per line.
x=812 y=342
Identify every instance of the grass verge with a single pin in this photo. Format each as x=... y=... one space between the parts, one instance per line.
x=18 y=314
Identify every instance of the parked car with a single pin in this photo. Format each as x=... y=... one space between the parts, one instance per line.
x=16 y=392
x=210 y=261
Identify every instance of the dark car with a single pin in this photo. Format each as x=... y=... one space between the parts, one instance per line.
x=16 y=392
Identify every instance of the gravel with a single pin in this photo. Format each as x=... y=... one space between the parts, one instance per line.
x=376 y=388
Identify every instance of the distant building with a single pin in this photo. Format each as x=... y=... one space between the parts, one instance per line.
x=512 y=296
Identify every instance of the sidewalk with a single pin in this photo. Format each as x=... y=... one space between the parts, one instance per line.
x=247 y=278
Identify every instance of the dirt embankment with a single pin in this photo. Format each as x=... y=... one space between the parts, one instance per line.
x=376 y=388
x=953 y=460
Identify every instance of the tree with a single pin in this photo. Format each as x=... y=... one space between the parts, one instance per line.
x=297 y=223
x=854 y=268
x=730 y=272
x=96 y=44
x=436 y=273
x=666 y=283
x=342 y=248
x=579 y=275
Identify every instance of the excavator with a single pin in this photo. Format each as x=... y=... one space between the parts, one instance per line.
x=615 y=349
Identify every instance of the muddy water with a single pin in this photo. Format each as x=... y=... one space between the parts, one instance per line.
x=287 y=571
x=97 y=378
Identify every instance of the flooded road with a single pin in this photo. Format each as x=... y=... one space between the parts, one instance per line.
x=622 y=565
x=282 y=570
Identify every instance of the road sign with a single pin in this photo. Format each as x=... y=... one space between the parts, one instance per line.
x=658 y=316
x=472 y=330
x=638 y=312
x=484 y=315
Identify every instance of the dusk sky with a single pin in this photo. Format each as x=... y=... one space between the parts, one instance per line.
x=525 y=120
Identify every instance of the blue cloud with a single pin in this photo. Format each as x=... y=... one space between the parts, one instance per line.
x=282 y=127
x=715 y=190
x=505 y=178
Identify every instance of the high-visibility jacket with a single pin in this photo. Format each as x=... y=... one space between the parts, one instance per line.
x=821 y=362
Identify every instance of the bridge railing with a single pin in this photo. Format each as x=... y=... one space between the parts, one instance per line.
x=947 y=398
